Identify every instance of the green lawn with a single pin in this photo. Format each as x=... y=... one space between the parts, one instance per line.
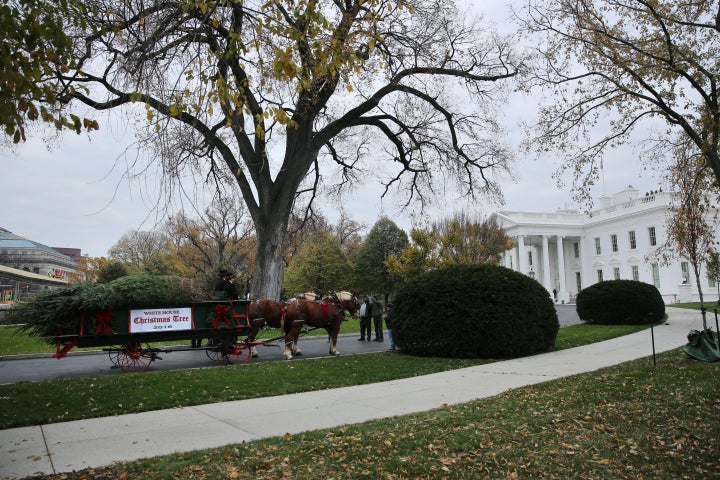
x=630 y=421
x=86 y=397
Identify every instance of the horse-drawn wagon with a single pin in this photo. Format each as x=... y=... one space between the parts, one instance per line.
x=125 y=316
x=126 y=333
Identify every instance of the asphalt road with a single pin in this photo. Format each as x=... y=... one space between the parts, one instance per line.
x=88 y=364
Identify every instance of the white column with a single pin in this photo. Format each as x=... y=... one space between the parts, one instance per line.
x=546 y=265
x=522 y=264
x=581 y=252
x=563 y=293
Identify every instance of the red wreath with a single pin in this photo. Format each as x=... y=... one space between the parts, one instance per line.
x=221 y=313
x=102 y=320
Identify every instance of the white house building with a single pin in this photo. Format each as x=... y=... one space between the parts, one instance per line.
x=567 y=251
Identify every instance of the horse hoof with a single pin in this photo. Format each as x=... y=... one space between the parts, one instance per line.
x=298 y=354
x=256 y=356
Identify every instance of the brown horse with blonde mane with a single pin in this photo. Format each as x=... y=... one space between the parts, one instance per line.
x=327 y=313
x=263 y=313
x=290 y=317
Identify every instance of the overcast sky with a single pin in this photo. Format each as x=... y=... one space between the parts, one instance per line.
x=75 y=195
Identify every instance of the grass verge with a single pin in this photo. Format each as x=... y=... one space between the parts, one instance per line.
x=628 y=421
x=88 y=397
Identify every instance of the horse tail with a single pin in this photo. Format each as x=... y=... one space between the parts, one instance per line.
x=283 y=314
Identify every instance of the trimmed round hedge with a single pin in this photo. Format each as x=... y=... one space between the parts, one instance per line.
x=620 y=302
x=473 y=311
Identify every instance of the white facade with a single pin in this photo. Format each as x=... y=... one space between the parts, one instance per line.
x=567 y=251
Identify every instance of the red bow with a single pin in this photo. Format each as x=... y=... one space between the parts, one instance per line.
x=221 y=313
x=103 y=322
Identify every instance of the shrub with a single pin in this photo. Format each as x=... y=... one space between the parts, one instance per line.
x=480 y=311
x=620 y=302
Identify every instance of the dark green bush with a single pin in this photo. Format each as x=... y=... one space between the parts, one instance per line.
x=620 y=302
x=483 y=311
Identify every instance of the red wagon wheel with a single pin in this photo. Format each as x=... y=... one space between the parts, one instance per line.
x=133 y=357
x=238 y=353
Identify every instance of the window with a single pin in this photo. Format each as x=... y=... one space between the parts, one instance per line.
x=651 y=235
x=685 y=267
x=656 y=275
x=598 y=251
x=633 y=243
x=576 y=249
x=600 y=275
x=613 y=242
x=578 y=281
x=711 y=282
x=616 y=273
x=635 y=273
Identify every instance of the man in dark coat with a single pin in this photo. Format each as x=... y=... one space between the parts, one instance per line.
x=376 y=311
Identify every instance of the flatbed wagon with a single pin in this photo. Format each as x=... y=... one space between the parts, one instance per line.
x=126 y=333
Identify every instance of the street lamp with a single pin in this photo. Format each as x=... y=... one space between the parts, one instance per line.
x=531 y=273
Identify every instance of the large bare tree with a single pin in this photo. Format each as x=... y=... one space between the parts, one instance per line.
x=222 y=237
x=270 y=93
x=611 y=65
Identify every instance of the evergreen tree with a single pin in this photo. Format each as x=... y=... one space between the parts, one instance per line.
x=384 y=241
x=320 y=265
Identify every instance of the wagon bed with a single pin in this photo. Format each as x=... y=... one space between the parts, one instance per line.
x=127 y=332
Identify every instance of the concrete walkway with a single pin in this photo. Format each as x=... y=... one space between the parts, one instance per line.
x=64 y=447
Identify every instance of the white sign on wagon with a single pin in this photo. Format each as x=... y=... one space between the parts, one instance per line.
x=160 y=319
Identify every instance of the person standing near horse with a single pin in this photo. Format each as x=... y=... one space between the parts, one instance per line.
x=388 y=324
x=365 y=319
x=376 y=311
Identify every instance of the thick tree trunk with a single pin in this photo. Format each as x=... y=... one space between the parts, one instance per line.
x=268 y=273
x=271 y=216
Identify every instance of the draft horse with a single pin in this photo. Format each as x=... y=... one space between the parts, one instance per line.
x=327 y=313
x=264 y=312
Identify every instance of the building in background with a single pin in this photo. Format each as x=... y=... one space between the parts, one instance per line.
x=23 y=254
x=567 y=251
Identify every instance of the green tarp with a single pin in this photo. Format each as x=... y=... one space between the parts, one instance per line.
x=703 y=345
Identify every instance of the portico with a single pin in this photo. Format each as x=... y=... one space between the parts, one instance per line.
x=567 y=251
x=543 y=257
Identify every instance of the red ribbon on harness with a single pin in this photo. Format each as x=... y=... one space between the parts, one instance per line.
x=325 y=307
x=103 y=322
x=221 y=313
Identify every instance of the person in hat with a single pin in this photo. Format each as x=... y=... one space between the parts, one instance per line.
x=196 y=342
x=220 y=282
x=229 y=288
